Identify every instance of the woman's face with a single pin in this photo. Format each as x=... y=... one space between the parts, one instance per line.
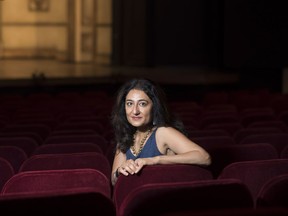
x=138 y=108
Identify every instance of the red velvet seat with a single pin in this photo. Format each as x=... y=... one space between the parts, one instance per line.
x=72 y=132
x=245 y=132
x=42 y=130
x=255 y=174
x=79 y=138
x=206 y=121
x=206 y=133
x=284 y=152
x=230 y=127
x=213 y=98
x=274 y=193
x=38 y=139
x=84 y=201
x=230 y=212
x=214 y=141
x=28 y=145
x=6 y=171
x=157 y=174
x=250 y=118
x=223 y=156
x=173 y=197
x=92 y=160
x=67 y=148
x=52 y=181
x=91 y=125
x=283 y=115
x=50 y=122
x=14 y=155
x=269 y=124
x=219 y=108
x=278 y=140
x=256 y=110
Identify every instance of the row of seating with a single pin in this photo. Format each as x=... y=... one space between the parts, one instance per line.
x=41 y=136
x=56 y=180
x=198 y=118
x=158 y=190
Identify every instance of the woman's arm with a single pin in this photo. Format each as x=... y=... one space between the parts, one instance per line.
x=176 y=149
x=184 y=151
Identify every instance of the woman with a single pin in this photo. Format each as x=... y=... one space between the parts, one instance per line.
x=146 y=133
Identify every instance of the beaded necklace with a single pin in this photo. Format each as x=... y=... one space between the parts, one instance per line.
x=136 y=153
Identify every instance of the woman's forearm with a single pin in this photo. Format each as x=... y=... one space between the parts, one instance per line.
x=192 y=157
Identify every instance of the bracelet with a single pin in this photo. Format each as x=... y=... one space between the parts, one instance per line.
x=117 y=173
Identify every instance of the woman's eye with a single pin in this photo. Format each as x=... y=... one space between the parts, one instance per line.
x=129 y=104
x=143 y=104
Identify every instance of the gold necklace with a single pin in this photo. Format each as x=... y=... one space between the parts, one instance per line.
x=141 y=143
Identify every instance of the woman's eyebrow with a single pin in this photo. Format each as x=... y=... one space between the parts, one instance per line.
x=137 y=100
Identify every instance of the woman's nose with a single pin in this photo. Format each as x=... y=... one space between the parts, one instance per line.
x=136 y=109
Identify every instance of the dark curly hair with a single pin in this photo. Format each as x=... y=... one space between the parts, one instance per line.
x=161 y=116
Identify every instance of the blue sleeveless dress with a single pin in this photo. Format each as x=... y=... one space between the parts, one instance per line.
x=150 y=149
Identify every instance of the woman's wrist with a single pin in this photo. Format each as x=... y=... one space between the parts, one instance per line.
x=156 y=160
x=116 y=174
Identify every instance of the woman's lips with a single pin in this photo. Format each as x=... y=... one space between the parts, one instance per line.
x=136 y=118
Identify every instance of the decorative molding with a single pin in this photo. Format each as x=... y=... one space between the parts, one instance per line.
x=38 y=5
x=87 y=13
x=86 y=42
x=40 y=53
x=34 y=24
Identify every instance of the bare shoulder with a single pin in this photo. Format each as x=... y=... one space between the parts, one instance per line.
x=164 y=135
x=167 y=131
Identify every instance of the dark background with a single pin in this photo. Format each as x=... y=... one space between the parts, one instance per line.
x=248 y=37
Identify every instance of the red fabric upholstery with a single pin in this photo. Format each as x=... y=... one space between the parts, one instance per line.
x=283 y=116
x=244 y=132
x=208 y=120
x=214 y=141
x=14 y=155
x=72 y=132
x=50 y=122
x=230 y=127
x=76 y=201
x=157 y=174
x=284 y=152
x=274 y=193
x=270 y=123
x=53 y=181
x=230 y=212
x=38 y=139
x=67 y=148
x=159 y=198
x=255 y=174
x=250 y=118
x=42 y=130
x=223 y=156
x=92 y=160
x=205 y=133
x=6 y=171
x=278 y=140
x=92 y=125
x=27 y=144
x=80 y=138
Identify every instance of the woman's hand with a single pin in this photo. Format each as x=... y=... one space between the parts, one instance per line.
x=131 y=167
